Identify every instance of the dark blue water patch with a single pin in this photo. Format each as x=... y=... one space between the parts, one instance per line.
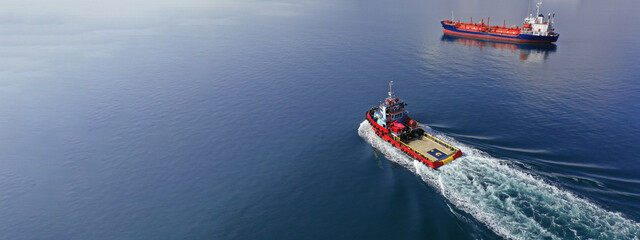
x=233 y=120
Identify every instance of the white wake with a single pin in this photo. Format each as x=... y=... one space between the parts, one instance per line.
x=514 y=204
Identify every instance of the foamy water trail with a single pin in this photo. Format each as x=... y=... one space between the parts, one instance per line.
x=514 y=204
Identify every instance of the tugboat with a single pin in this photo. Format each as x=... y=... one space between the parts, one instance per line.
x=534 y=29
x=392 y=123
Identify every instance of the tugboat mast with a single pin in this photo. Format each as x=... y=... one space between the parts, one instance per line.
x=390 y=91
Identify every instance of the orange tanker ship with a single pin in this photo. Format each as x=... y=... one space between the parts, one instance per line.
x=534 y=29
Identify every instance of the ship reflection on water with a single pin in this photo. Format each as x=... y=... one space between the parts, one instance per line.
x=527 y=52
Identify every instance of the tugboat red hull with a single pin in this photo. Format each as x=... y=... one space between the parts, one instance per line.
x=415 y=154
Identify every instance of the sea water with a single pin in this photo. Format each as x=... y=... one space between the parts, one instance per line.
x=243 y=120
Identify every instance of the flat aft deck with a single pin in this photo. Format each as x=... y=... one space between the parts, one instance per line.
x=429 y=148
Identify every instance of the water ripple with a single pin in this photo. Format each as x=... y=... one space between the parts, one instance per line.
x=512 y=203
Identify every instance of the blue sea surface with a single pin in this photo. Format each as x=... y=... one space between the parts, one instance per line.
x=245 y=120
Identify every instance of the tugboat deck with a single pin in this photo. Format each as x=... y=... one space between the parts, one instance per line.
x=432 y=150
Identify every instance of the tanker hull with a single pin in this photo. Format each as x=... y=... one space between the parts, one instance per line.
x=450 y=29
